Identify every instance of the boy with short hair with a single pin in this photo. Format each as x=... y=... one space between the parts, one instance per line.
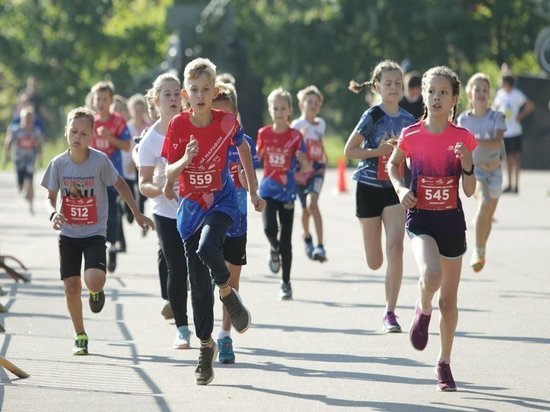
x=111 y=135
x=82 y=175
x=196 y=147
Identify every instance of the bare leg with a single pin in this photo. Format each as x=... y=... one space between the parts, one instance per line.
x=313 y=208
x=448 y=305
x=73 y=292
x=371 y=228
x=426 y=254
x=393 y=218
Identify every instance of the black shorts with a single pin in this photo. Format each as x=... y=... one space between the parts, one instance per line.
x=450 y=246
x=22 y=175
x=71 y=250
x=370 y=201
x=234 y=250
x=512 y=144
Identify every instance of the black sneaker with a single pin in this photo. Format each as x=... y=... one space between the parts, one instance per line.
x=274 y=260
x=286 y=291
x=97 y=301
x=111 y=264
x=240 y=316
x=204 y=372
x=309 y=247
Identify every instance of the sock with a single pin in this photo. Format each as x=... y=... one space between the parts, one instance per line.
x=208 y=342
x=480 y=251
x=224 y=334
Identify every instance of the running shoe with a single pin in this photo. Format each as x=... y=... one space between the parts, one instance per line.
x=390 y=323
x=166 y=310
x=286 y=291
x=418 y=333
x=80 y=344
x=274 y=260
x=309 y=247
x=445 y=381
x=96 y=301
x=183 y=335
x=111 y=263
x=225 y=346
x=240 y=316
x=204 y=372
x=319 y=254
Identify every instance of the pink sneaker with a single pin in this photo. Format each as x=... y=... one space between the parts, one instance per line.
x=445 y=381
x=418 y=334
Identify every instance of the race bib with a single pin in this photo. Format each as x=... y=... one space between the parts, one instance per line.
x=277 y=158
x=382 y=171
x=197 y=180
x=315 y=150
x=80 y=211
x=25 y=143
x=437 y=193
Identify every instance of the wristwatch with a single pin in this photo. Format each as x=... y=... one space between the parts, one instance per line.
x=469 y=173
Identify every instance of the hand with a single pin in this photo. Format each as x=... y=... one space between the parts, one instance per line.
x=144 y=222
x=168 y=190
x=58 y=221
x=192 y=149
x=461 y=152
x=407 y=198
x=386 y=147
x=257 y=202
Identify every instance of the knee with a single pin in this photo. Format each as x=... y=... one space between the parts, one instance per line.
x=431 y=280
x=208 y=251
x=313 y=208
x=395 y=250
x=375 y=262
x=447 y=306
x=73 y=288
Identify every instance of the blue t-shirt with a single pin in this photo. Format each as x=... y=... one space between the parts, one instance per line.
x=376 y=125
x=239 y=226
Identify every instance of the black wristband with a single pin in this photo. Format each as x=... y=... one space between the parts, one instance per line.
x=471 y=172
x=52 y=215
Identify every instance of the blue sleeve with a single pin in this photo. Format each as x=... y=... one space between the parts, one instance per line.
x=255 y=160
x=365 y=125
x=125 y=134
x=238 y=138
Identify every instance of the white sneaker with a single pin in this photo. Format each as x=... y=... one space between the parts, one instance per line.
x=183 y=335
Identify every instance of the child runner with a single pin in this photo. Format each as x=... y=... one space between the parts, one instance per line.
x=516 y=106
x=81 y=175
x=234 y=247
x=172 y=266
x=281 y=148
x=309 y=184
x=377 y=205
x=110 y=136
x=439 y=154
x=26 y=140
x=488 y=127
x=196 y=146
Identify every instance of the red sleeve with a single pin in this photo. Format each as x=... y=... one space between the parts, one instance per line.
x=402 y=143
x=470 y=141
x=174 y=146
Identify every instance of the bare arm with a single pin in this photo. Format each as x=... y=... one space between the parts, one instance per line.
x=353 y=149
x=528 y=108
x=125 y=145
x=251 y=179
x=146 y=186
x=122 y=187
x=406 y=196
x=466 y=162
x=58 y=219
x=7 y=146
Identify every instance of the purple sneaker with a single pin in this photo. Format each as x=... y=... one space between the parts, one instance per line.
x=418 y=333
x=445 y=381
x=390 y=323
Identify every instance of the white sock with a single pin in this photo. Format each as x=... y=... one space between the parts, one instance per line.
x=224 y=334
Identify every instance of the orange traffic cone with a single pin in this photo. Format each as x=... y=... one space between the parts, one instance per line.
x=341 y=179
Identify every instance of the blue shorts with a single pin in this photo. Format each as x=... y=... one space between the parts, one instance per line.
x=314 y=185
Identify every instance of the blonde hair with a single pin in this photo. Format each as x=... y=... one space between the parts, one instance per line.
x=81 y=112
x=471 y=81
x=450 y=75
x=199 y=67
x=154 y=92
x=283 y=94
x=376 y=76
x=227 y=93
x=309 y=90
